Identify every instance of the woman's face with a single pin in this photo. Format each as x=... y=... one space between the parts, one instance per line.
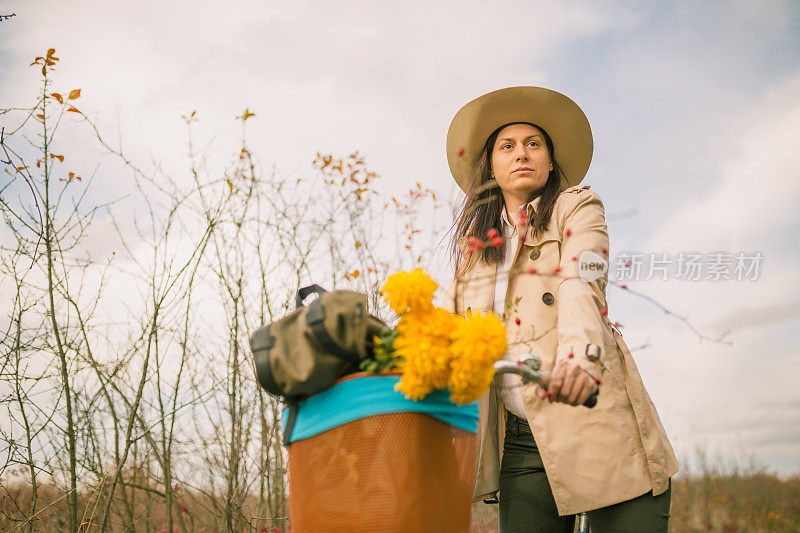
x=520 y=161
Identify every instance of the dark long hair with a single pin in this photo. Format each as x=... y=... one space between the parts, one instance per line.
x=483 y=207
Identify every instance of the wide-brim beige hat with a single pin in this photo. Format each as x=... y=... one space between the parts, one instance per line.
x=560 y=117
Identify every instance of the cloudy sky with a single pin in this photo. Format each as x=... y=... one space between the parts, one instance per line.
x=695 y=110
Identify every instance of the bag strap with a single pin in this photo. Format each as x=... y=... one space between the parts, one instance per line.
x=305 y=292
x=316 y=319
x=261 y=355
x=293 y=410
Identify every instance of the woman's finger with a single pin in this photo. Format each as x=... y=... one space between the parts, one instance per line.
x=556 y=381
x=569 y=386
x=587 y=391
x=580 y=388
x=590 y=387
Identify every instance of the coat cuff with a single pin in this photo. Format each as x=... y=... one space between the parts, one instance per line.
x=595 y=370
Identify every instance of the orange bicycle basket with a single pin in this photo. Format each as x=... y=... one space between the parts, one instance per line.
x=364 y=458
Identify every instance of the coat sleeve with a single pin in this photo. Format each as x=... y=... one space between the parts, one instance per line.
x=580 y=320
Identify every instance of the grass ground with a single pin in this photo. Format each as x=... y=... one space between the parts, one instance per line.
x=750 y=501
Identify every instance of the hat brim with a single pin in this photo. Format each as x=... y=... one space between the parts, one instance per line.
x=560 y=117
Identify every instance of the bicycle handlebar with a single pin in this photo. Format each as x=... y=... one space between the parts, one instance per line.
x=528 y=370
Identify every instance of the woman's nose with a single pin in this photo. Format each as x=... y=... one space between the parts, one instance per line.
x=521 y=155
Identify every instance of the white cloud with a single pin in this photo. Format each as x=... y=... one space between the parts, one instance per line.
x=387 y=79
x=320 y=76
x=757 y=189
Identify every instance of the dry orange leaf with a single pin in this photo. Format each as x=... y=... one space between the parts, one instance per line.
x=59 y=157
x=73 y=110
x=247 y=114
x=74 y=94
x=44 y=70
x=40 y=116
x=57 y=97
x=50 y=52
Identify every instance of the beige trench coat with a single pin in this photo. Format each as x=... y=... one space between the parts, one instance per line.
x=593 y=457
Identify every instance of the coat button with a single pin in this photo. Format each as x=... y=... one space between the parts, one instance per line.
x=548 y=298
x=536 y=253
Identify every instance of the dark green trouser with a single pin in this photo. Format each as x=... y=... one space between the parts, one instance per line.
x=527 y=504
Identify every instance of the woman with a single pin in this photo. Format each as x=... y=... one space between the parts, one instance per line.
x=532 y=246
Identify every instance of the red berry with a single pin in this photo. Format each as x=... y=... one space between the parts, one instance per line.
x=605 y=251
x=460 y=152
x=597 y=381
x=492 y=233
x=532 y=270
x=517 y=321
x=617 y=325
x=182 y=508
x=623 y=286
x=568 y=232
x=472 y=240
x=571 y=355
x=471 y=249
x=549 y=394
x=556 y=270
x=479 y=245
x=604 y=311
x=497 y=241
x=574 y=258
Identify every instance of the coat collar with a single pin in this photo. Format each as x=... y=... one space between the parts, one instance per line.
x=530 y=209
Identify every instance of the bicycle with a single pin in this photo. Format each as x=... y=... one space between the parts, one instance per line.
x=528 y=367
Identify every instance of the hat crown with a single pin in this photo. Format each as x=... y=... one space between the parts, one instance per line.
x=555 y=113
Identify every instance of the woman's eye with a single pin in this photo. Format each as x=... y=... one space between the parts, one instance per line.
x=503 y=147
x=534 y=143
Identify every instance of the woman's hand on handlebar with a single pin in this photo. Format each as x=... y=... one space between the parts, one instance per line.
x=569 y=383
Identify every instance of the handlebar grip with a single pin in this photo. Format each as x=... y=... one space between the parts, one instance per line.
x=592 y=401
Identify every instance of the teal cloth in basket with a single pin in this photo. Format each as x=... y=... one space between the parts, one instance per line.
x=373 y=395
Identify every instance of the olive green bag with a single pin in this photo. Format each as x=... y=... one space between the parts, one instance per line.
x=311 y=347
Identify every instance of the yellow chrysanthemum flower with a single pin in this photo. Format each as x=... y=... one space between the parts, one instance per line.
x=478 y=342
x=423 y=344
x=409 y=291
